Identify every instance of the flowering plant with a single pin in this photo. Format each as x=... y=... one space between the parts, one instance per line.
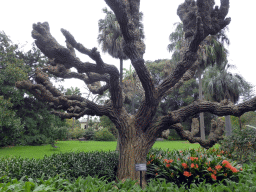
x=191 y=166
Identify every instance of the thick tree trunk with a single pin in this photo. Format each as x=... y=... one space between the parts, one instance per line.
x=202 y=129
x=228 y=125
x=133 y=150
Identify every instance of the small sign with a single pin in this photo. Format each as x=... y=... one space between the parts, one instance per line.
x=140 y=167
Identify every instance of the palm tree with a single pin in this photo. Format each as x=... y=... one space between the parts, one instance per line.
x=221 y=84
x=111 y=39
x=211 y=52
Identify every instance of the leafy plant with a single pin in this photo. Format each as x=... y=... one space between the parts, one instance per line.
x=89 y=134
x=241 y=144
x=191 y=166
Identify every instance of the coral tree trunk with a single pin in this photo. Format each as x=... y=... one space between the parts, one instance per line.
x=134 y=148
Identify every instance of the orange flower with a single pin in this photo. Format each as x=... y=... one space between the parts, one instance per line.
x=241 y=169
x=196 y=166
x=209 y=169
x=156 y=174
x=234 y=170
x=187 y=174
x=218 y=167
x=148 y=162
x=227 y=164
x=168 y=165
x=225 y=174
x=214 y=171
x=193 y=158
x=165 y=160
x=218 y=156
x=170 y=161
x=178 y=159
x=171 y=174
x=192 y=165
x=184 y=165
x=213 y=176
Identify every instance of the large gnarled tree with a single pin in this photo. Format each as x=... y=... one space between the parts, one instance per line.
x=137 y=132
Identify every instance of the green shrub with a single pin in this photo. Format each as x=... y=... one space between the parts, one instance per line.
x=76 y=133
x=35 y=140
x=241 y=144
x=60 y=133
x=68 y=165
x=89 y=133
x=104 y=135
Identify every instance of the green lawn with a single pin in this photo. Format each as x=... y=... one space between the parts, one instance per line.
x=86 y=146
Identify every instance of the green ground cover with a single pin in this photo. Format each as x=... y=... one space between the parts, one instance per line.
x=38 y=152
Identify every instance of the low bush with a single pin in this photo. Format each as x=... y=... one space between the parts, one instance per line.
x=89 y=134
x=69 y=165
x=35 y=140
x=60 y=133
x=241 y=145
x=104 y=135
x=192 y=166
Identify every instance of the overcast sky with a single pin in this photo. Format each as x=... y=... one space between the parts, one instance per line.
x=80 y=18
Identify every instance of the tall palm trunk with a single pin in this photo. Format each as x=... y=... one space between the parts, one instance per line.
x=228 y=125
x=121 y=84
x=202 y=129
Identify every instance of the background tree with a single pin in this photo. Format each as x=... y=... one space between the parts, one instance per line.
x=139 y=132
x=39 y=125
x=211 y=51
x=111 y=37
x=221 y=84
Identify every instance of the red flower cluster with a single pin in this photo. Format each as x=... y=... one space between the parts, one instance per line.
x=187 y=174
x=184 y=165
x=227 y=165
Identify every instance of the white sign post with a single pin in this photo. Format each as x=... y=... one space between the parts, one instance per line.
x=140 y=167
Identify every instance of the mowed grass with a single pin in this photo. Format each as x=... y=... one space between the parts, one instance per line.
x=38 y=152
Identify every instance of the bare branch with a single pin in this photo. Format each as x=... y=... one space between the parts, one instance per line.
x=127 y=14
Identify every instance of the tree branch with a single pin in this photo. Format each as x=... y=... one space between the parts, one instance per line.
x=199 y=20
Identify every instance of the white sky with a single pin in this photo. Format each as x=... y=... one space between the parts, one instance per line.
x=80 y=18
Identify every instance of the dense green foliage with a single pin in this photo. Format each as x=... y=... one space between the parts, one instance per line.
x=241 y=144
x=68 y=165
x=22 y=110
x=10 y=124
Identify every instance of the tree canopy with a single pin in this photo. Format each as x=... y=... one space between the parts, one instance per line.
x=137 y=132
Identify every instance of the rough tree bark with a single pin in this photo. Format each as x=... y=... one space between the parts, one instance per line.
x=137 y=132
